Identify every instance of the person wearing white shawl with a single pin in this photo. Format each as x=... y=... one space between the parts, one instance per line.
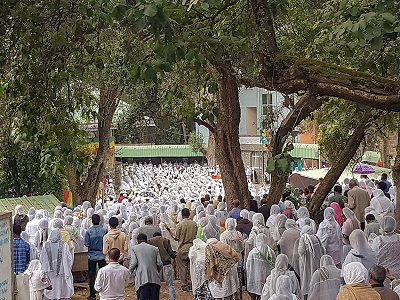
x=288 y=239
x=166 y=221
x=351 y=222
x=210 y=210
x=361 y=251
x=281 y=268
x=199 y=209
x=304 y=219
x=31 y=213
x=380 y=206
x=331 y=236
x=279 y=227
x=33 y=226
x=221 y=213
x=310 y=252
x=197 y=256
x=38 y=281
x=387 y=246
x=355 y=276
x=57 y=260
x=230 y=287
x=283 y=289
x=234 y=238
x=259 y=264
x=325 y=282
x=33 y=254
x=270 y=223
x=41 y=235
x=87 y=222
x=212 y=229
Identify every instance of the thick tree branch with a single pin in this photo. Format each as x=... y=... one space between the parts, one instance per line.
x=205 y=124
x=323 y=79
x=263 y=18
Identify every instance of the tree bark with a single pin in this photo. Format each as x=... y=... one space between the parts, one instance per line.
x=87 y=189
x=396 y=180
x=339 y=166
x=302 y=109
x=228 y=152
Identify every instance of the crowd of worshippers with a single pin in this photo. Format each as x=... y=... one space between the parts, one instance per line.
x=269 y=251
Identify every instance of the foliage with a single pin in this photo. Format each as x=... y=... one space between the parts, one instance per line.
x=196 y=142
x=365 y=34
x=281 y=163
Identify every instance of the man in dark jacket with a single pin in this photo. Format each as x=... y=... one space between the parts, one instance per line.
x=244 y=225
x=265 y=208
x=167 y=254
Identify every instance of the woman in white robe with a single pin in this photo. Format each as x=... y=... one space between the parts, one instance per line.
x=304 y=219
x=212 y=229
x=330 y=234
x=380 y=206
x=41 y=235
x=57 y=260
x=279 y=227
x=310 y=252
x=197 y=256
x=38 y=281
x=325 y=282
x=234 y=238
x=270 y=223
x=361 y=250
x=387 y=246
x=259 y=264
x=258 y=227
x=288 y=239
x=281 y=268
x=283 y=289
x=351 y=222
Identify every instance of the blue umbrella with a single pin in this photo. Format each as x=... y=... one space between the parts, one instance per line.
x=363 y=169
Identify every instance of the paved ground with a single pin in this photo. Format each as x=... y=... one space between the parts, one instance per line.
x=82 y=294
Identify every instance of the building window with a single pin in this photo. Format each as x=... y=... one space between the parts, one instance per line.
x=267 y=105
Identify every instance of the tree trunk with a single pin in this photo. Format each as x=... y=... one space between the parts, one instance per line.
x=396 y=180
x=211 y=159
x=108 y=102
x=228 y=152
x=302 y=109
x=340 y=165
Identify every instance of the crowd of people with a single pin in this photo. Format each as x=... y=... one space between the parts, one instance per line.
x=172 y=222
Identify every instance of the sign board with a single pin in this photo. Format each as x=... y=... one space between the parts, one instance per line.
x=6 y=257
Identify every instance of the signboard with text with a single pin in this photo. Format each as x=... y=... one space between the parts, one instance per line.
x=6 y=257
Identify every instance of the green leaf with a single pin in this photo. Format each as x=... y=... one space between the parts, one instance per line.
x=397 y=29
x=150 y=10
x=205 y=6
x=377 y=43
x=343 y=4
x=388 y=17
x=270 y=165
x=283 y=164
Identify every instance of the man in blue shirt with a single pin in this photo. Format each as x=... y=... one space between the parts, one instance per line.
x=384 y=178
x=21 y=251
x=94 y=243
x=235 y=212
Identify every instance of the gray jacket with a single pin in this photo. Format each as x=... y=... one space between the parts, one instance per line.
x=145 y=264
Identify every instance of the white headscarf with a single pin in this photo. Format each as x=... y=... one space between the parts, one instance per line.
x=244 y=213
x=388 y=225
x=355 y=272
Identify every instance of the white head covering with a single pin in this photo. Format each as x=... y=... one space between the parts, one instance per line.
x=306 y=231
x=291 y=224
x=275 y=210
x=244 y=213
x=388 y=225
x=359 y=242
x=355 y=272
x=303 y=212
x=210 y=210
x=230 y=225
x=262 y=247
x=19 y=209
x=326 y=260
x=221 y=206
x=258 y=220
x=57 y=223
